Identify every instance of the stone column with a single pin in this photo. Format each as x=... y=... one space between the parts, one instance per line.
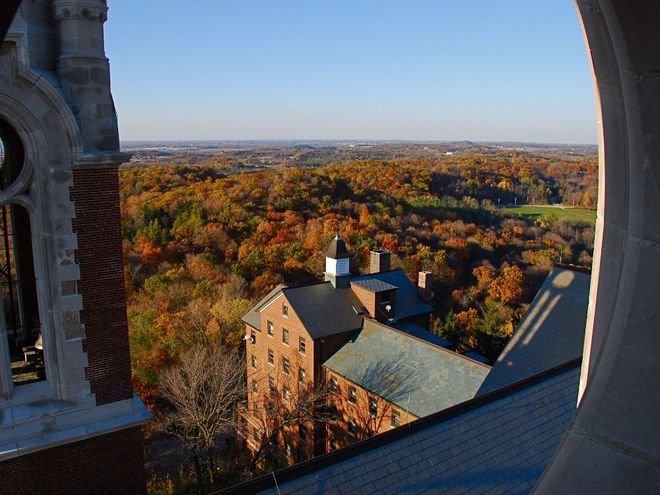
x=84 y=72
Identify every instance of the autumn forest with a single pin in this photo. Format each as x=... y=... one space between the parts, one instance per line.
x=202 y=243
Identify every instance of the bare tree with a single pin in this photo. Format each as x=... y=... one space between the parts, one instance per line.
x=203 y=390
x=284 y=403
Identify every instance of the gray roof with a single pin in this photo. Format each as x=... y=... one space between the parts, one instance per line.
x=408 y=302
x=337 y=249
x=412 y=328
x=252 y=317
x=373 y=285
x=550 y=333
x=495 y=444
x=413 y=374
x=324 y=310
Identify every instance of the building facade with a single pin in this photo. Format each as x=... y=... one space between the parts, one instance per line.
x=325 y=362
x=66 y=399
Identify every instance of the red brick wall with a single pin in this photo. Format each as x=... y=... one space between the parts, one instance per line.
x=97 y=225
x=108 y=464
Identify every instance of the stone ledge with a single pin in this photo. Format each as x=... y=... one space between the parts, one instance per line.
x=72 y=424
x=101 y=160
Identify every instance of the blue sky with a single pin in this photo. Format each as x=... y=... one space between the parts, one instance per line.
x=497 y=70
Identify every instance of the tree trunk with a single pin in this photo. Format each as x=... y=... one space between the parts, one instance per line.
x=199 y=472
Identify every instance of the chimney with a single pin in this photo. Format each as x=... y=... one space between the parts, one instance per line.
x=425 y=285
x=380 y=261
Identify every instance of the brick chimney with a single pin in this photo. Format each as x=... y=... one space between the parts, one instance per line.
x=379 y=261
x=425 y=285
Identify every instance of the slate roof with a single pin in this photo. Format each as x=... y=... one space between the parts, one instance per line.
x=412 y=328
x=373 y=285
x=337 y=249
x=550 y=333
x=412 y=373
x=252 y=317
x=324 y=310
x=408 y=303
x=499 y=443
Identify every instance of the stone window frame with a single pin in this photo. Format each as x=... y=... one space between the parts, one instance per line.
x=54 y=266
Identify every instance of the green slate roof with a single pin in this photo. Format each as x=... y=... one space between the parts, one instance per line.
x=411 y=373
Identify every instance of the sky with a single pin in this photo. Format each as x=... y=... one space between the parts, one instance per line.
x=426 y=70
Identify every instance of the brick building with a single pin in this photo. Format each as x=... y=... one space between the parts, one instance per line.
x=322 y=336
x=69 y=422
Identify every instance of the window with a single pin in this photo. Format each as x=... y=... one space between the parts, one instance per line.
x=396 y=419
x=302 y=375
x=285 y=310
x=21 y=347
x=302 y=431
x=334 y=385
x=254 y=386
x=287 y=449
x=285 y=366
x=269 y=328
x=271 y=357
x=253 y=360
x=285 y=336
x=352 y=395
x=373 y=407
x=286 y=394
x=351 y=427
x=253 y=338
x=334 y=445
x=301 y=345
x=271 y=384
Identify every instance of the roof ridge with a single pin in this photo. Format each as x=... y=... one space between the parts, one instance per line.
x=306 y=467
x=419 y=339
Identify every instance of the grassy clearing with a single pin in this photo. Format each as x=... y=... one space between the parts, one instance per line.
x=535 y=211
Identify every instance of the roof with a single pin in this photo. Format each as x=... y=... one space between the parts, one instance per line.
x=498 y=443
x=337 y=249
x=550 y=333
x=252 y=317
x=324 y=310
x=373 y=285
x=408 y=302
x=412 y=328
x=411 y=373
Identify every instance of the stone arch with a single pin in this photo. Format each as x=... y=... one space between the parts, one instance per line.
x=613 y=444
x=52 y=145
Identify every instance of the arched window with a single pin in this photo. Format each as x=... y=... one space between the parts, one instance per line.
x=21 y=347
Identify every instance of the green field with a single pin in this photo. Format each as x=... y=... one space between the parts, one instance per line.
x=535 y=211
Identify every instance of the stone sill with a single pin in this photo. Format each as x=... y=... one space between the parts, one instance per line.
x=70 y=424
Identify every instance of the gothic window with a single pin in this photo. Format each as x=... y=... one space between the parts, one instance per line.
x=21 y=343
